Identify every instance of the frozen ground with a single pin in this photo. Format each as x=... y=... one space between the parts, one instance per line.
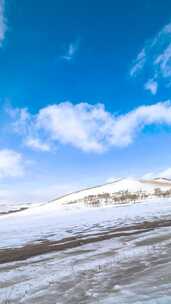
x=51 y=222
x=106 y=255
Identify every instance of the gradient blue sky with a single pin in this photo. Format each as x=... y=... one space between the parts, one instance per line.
x=116 y=53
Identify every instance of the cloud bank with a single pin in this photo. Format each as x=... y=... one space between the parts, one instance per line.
x=86 y=127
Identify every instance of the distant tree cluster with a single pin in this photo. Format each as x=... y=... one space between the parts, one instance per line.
x=107 y=198
x=122 y=197
x=158 y=192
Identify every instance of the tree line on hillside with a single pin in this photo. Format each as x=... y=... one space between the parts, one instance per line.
x=123 y=197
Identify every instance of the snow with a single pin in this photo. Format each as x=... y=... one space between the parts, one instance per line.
x=56 y=222
x=130 y=184
x=134 y=268
x=131 y=269
x=121 y=184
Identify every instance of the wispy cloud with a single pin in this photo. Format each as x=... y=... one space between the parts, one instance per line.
x=155 y=60
x=138 y=63
x=37 y=144
x=71 y=50
x=87 y=127
x=3 y=22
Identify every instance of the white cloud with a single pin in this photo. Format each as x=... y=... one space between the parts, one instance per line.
x=155 y=60
x=138 y=63
x=82 y=125
x=11 y=164
x=71 y=51
x=152 y=86
x=3 y=24
x=87 y=127
x=37 y=144
x=163 y=62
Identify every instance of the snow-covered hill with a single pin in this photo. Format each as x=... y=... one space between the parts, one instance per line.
x=131 y=185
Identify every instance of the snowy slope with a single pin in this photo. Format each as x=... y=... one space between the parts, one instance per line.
x=58 y=219
x=130 y=184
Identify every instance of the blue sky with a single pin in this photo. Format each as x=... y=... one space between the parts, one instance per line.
x=85 y=94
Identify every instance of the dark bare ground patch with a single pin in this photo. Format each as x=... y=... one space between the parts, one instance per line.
x=46 y=246
x=13 y=211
